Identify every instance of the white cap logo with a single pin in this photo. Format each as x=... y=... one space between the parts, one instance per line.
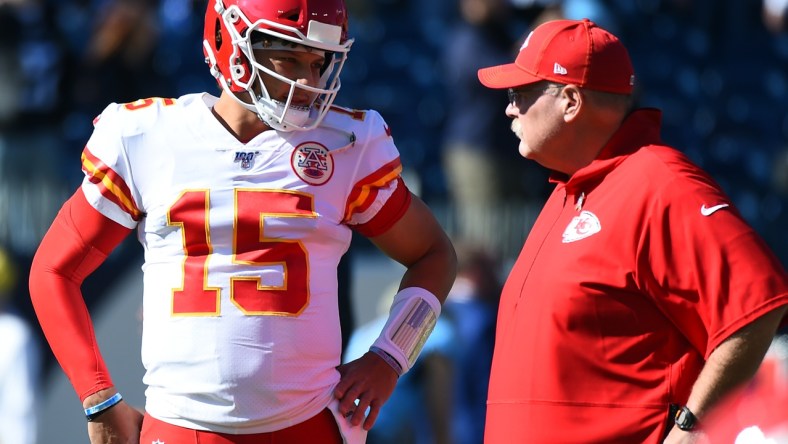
x=525 y=43
x=558 y=69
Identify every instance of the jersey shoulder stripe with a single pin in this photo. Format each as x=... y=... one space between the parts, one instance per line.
x=364 y=191
x=106 y=163
x=110 y=184
x=396 y=206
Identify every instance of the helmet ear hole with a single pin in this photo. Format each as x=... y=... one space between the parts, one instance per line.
x=292 y=15
x=238 y=72
x=218 y=34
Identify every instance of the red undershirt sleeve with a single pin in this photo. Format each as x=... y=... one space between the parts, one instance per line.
x=78 y=241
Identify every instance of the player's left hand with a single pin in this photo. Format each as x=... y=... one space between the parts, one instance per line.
x=119 y=425
x=678 y=436
x=368 y=379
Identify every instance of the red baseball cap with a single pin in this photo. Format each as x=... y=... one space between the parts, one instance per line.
x=574 y=52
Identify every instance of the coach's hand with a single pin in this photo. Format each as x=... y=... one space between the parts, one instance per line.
x=678 y=436
x=370 y=380
x=120 y=424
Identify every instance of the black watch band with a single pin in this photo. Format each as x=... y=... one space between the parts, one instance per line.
x=685 y=419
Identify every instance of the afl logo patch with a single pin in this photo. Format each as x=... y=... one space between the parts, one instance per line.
x=313 y=163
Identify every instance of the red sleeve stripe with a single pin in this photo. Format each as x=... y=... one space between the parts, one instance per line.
x=395 y=208
x=366 y=190
x=110 y=184
x=373 y=194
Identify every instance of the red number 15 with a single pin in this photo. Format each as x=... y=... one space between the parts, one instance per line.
x=251 y=247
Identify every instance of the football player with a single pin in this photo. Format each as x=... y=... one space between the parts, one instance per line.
x=244 y=205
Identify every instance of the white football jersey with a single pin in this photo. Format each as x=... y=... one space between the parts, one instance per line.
x=241 y=328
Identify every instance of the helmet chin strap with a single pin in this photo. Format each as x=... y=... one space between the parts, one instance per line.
x=292 y=118
x=276 y=113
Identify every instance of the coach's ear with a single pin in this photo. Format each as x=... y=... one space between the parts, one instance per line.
x=571 y=101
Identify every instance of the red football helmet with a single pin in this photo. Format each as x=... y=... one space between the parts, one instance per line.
x=313 y=24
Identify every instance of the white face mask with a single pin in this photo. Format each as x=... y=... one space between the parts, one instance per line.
x=295 y=117
x=321 y=38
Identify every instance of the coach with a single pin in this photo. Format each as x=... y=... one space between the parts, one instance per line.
x=641 y=296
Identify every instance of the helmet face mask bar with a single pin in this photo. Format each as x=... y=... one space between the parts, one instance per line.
x=235 y=29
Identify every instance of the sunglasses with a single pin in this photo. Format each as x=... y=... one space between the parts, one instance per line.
x=516 y=95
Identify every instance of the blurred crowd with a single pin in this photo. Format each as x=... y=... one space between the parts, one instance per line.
x=718 y=68
x=20 y=365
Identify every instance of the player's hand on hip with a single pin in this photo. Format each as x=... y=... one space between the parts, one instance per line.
x=368 y=379
x=119 y=425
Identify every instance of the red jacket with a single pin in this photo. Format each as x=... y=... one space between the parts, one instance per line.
x=636 y=269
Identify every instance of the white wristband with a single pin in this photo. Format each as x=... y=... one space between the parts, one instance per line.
x=412 y=318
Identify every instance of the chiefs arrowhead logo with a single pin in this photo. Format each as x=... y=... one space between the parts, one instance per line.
x=581 y=227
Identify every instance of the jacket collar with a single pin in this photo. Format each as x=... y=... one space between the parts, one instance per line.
x=640 y=128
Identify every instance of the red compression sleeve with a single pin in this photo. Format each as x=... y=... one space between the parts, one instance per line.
x=78 y=241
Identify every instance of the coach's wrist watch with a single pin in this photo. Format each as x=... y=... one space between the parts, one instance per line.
x=685 y=419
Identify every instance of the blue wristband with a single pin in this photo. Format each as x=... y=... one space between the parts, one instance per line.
x=94 y=412
x=388 y=358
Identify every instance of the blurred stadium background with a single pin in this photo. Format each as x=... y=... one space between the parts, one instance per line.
x=718 y=70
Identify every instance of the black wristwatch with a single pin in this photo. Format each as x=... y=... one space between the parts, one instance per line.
x=685 y=419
